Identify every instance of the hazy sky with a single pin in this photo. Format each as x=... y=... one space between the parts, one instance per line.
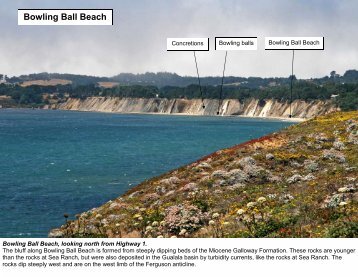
x=137 y=41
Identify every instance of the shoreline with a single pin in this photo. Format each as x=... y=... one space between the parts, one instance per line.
x=281 y=118
x=293 y=119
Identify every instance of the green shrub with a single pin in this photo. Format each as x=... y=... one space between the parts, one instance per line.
x=343 y=230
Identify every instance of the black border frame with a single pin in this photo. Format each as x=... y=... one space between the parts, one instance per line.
x=231 y=37
x=70 y=10
x=192 y=50
x=296 y=49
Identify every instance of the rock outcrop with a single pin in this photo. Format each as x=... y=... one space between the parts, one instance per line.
x=249 y=107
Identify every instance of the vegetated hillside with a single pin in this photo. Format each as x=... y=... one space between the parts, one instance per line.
x=345 y=94
x=300 y=182
x=162 y=79
x=108 y=84
x=42 y=89
x=51 y=82
x=77 y=80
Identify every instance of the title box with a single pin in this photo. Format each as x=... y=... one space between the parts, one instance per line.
x=41 y=17
x=294 y=43
x=235 y=43
x=187 y=44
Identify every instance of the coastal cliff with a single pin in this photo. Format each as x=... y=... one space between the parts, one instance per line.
x=299 y=182
x=249 y=107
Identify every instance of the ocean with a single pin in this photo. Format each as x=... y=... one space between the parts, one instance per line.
x=57 y=162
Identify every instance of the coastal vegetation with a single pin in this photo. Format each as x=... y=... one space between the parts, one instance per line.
x=162 y=79
x=342 y=89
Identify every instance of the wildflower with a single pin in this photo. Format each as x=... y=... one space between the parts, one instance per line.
x=270 y=156
x=136 y=216
x=84 y=215
x=343 y=189
x=251 y=204
x=182 y=232
x=117 y=224
x=240 y=211
x=149 y=228
x=180 y=216
x=142 y=209
x=247 y=219
x=160 y=237
x=261 y=199
x=98 y=216
x=162 y=223
x=272 y=195
x=215 y=215
x=342 y=204
x=140 y=218
x=173 y=237
x=294 y=179
x=286 y=198
x=155 y=223
x=211 y=222
x=225 y=223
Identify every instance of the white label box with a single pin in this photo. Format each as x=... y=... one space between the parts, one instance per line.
x=65 y=17
x=187 y=44
x=235 y=43
x=294 y=43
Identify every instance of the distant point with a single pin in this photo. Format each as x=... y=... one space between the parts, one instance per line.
x=217 y=113
x=203 y=106
x=290 y=116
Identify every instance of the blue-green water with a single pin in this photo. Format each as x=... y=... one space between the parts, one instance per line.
x=56 y=162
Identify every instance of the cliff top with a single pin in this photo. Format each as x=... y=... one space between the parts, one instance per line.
x=300 y=182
